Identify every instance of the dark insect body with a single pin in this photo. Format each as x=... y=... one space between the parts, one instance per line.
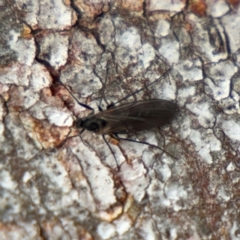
x=127 y=118
x=130 y=117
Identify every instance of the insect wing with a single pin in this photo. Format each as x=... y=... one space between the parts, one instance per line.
x=137 y=116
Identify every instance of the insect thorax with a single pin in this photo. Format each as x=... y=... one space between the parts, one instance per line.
x=91 y=124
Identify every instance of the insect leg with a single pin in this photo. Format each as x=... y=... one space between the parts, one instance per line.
x=141 y=89
x=105 y=140
x=141 y=142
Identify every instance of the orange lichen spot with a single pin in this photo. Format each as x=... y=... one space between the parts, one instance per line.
x=188 y=27
x=49 y=227
x=132 y=208
x=114 y=141
x=92 y=9
x=42 y=132
x=111 y=214
x=60 y=92
x=6 y=228
x=48 y=135
x=198 y=7
x=83 y=234
x=46 y=92
x=67 y=2
x=133 y=5
x=50 y=98
x=234 y=3
x=69 y=162
x=26 y=32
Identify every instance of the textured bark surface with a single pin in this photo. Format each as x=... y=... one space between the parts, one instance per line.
x=54 y=186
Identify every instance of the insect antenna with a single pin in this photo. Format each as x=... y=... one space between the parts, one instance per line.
x=103 y=84
x=81 y=104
